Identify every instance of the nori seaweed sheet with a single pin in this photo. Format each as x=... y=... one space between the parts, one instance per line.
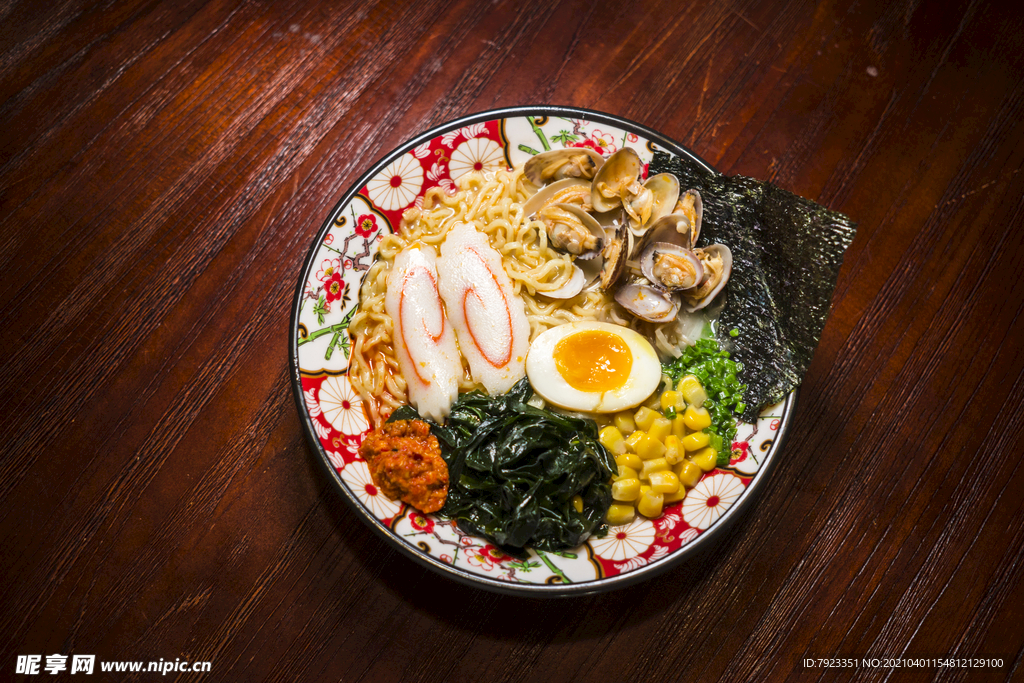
x=786 y=255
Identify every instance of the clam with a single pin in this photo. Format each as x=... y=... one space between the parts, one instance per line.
x=617 y=179
x=671 y=267
x=665 y=189
x=637 y=203
x=589 y=265
x=556 y=164
x=572 y=229
x=691 y=206
x=669 y=260
x=675 y=228
x=655 y=199
x=566 y=191
x=716 y=261
x=648 y=303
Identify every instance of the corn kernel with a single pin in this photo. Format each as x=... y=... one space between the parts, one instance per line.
x=672 y=399
x=695 y=441
x=697 y=418
x=631 y=460
x=688 y=473
x=648 y=448
x=679 y=426
x=633 y=439
x=577 y=502
x=654 y=465
x=660 y=428
x=619 y=513
x=626 y=490
x=673 y=449
x=705 y=458
x=651 y=504
x=664 y=481
x=692 y=391
x=626 y=473
x=624 y=422
x=611 y=438
x=644 y=417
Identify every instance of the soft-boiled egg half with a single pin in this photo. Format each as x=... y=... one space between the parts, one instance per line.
x=593 y=367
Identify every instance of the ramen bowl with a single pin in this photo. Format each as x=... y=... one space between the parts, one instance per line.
x=333 y=414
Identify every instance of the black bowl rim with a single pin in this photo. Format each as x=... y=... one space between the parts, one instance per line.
x=696 y=546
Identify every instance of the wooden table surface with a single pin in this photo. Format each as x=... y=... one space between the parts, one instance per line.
x=164 y=167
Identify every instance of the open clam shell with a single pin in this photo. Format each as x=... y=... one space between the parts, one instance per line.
x=675 y=228
x=566 y=191
x=619 y=172
x=618 y=245
x=692 y=206
x=557 y=164
x=671 y=267
x=572 y=229
x=648 y=303
x=664 y=188
x=717 y=262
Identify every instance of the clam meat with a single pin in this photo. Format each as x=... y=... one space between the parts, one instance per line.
x=671 y=267
x=638 y=201
x=716 y=260
x=573 y=230
x=691 y=206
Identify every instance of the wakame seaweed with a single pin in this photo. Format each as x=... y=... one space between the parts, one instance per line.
x=514 y=470
x=786 y=254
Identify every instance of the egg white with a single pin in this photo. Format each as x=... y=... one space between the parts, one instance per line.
x=547 y=381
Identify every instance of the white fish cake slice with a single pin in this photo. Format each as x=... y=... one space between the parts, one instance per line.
x=428 y=355
x=489 y=318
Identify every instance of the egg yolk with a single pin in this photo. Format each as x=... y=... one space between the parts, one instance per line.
x=593 y=360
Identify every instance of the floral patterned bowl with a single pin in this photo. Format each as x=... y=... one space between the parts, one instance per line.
x=332 y=412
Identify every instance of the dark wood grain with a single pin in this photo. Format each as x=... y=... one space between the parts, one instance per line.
x=163 y=168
